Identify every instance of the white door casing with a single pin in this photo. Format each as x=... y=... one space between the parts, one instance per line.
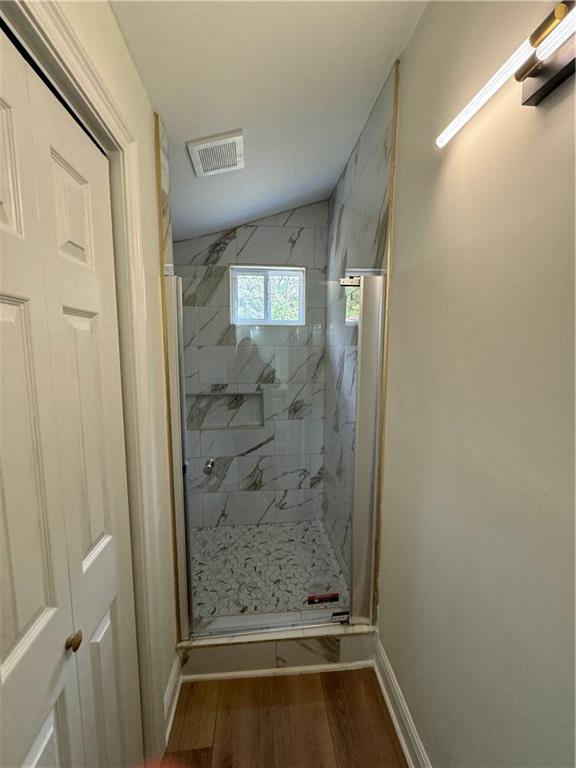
x=69 y=177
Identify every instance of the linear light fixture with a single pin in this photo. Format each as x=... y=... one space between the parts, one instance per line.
x=543 y=43
x=518 y=58
x=558 y=37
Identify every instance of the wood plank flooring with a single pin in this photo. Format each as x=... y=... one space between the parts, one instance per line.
x=327 y=720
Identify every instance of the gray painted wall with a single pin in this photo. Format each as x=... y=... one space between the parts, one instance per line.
x=477 y=590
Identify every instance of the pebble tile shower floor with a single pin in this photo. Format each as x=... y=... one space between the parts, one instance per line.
x=253 y=569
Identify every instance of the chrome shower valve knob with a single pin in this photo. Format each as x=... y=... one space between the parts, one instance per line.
x=208 y=466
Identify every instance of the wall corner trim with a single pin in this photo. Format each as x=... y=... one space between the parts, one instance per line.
x=404 y=724
x=171 y=695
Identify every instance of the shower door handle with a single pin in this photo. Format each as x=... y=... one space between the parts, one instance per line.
x=208 y=466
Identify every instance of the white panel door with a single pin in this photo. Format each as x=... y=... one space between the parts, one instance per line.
x=40 y=709
x=66 y=562
x=77 y=248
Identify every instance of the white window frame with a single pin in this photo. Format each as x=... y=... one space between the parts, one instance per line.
x=266 y=272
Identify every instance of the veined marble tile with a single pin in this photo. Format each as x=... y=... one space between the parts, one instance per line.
x=191 y=366
x=288 y=335
x=314 y=332
x=309 y=650
x=275 y=246
x=257 y=473
x=298 y=505
x=378 y=124
x=210 y=326
x=294 y=401
x=230 y=657
x=339 y=533
x=339 y=459
x=193 y=445
x=217 y=389
x=314 y=215
x=209 y=286
x=332 y=442
x=273 y=472
x=195 y=510
x=297 y=437
x=346 y=373
x=237 y=442
x=317 y=471
x=357 y=231
x=239 y=508
x=224 y=411
x=224 y=476
x=310 y=365
x=341 y=500
x=340 y=335
x=274 y=220
x=321 y=249
x=315 y=289
x=244 y=364
x=339 y=411
x=219 y=248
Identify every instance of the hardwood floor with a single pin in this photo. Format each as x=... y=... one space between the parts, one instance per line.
x=328 y=720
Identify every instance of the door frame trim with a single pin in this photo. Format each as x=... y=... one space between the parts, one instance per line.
x=46 y=33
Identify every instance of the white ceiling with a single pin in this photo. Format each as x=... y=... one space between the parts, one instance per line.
x=299 y=78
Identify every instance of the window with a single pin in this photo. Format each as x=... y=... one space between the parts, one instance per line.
x=267 y=295
x=352 y=293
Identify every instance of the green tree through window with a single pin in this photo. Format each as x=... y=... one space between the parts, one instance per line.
x=352 y=303
x=267 y=295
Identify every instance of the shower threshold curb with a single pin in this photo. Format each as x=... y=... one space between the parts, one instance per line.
x=261 y=636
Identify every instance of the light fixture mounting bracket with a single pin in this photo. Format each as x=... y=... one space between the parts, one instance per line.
x=549 y=76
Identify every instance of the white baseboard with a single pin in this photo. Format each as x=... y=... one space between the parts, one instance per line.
x=405 y=727
x=171 y=695
x=304 y=670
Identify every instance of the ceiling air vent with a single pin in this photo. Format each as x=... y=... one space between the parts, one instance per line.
x=217 y=154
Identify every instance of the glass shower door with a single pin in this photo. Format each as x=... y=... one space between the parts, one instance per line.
x=259 y=552
x=271 y=364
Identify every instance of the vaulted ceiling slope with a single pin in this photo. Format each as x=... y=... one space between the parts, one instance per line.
x=299 y=78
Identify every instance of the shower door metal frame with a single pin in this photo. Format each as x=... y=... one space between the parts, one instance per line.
x=367 y=448
x=177 y=398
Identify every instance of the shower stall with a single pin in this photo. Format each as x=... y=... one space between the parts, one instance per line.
x=275 y=328
x=278 y=452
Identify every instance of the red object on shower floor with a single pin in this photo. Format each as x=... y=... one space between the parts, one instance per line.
x=327 y=597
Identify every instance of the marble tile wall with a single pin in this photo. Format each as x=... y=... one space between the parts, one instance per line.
x=255 y=394
x=311 y=649
x=357 y=238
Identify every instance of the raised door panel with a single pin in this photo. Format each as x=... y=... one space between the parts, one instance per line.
x=10 y=194
x=37 y=676
x=100 y=710
x=25 y=568
x=73 y=212
x=74 y=204
x=51 y=746
x=84 y=445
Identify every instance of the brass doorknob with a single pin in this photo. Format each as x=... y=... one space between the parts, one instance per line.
x=73 y=642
